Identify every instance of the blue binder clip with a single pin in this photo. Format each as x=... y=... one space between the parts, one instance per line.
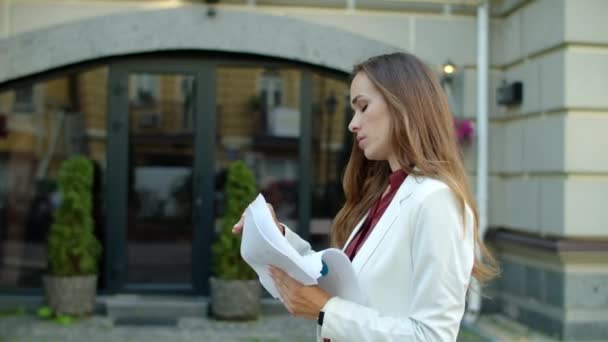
x=324 y=269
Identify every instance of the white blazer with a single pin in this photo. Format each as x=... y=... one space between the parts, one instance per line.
x=415 y=268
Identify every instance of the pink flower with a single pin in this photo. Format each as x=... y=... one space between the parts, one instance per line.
x=464 y=130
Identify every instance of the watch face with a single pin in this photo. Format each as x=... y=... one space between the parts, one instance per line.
x=320 y=318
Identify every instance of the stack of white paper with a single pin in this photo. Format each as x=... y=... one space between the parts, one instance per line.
x=263 y=245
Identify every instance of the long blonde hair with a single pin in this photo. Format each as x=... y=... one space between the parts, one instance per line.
x=422 y=134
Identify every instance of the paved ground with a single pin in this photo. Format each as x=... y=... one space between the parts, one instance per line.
x=26 y=328
x=29 y=328
x=121 y=320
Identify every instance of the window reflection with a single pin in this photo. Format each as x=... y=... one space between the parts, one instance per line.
x=161 y=140
x=42 y=125
x=259 y=122
x=330 y=151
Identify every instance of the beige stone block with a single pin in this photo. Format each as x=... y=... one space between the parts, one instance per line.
x=28 y=16
x=543 y=25
x=523 y=202
x=497 y=204
x=391 y=29
x=473 y=185
x=496 y=148
x=496 y=41
x=585 y=207
x=544 y=143
x=506 y=39
x=513 y=146
x=585 y=80
x=586 y=21
x=552 y=206
x=552 y=80
x=437 y=39
x=469 y=154
x=4 y=19
x=514 y=203
x=503 y=6
x=585 y=142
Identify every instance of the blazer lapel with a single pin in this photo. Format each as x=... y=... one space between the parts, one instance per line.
x=354 y=232
x=383 y=225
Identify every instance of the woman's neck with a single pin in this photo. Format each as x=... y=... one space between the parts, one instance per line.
x=393 y=163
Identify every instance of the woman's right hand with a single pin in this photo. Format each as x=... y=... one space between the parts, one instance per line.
x=238 y=227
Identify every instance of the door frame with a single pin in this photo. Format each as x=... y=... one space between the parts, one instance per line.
x=205 y=72
x=118 y=164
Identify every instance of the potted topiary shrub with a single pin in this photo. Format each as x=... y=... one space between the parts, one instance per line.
x=73 y=250
x=235 y=290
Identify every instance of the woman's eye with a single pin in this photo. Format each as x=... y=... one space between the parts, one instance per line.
x=364 y=108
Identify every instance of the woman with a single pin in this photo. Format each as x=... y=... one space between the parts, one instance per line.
x=409 y=223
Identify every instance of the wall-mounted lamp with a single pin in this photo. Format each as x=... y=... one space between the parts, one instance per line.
x=447 y=72
x=451 y=86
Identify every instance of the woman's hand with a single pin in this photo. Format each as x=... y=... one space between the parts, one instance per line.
x=299 y=300
x=238 y=227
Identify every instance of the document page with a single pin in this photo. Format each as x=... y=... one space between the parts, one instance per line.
x=263 y=245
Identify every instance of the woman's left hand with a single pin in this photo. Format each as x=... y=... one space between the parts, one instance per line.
x=300 y=300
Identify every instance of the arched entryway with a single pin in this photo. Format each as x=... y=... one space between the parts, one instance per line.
x=163 y=109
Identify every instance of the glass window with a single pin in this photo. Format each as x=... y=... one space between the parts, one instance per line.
x=259 y=122
x=146 y=88
x=330 y=151
x=24 y=99
x=69 y=118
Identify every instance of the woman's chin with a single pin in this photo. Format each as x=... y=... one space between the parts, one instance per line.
x=374 y=155
x=370 y=155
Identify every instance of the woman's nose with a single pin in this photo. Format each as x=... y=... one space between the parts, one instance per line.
x=353 y=125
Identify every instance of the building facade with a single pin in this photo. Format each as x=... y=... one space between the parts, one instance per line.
x=162 y=95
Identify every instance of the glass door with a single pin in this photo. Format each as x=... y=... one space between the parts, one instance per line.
x=158 y=126
x=159 y=193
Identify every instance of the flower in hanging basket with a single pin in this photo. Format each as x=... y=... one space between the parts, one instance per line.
x=464 y=130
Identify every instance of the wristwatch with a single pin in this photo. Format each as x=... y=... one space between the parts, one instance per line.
x=320 y=318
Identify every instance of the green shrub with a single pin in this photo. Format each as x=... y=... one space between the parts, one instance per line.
x=73 y=249
x=240 y=190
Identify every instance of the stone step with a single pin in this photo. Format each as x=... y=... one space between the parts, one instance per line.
x=147 y=306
